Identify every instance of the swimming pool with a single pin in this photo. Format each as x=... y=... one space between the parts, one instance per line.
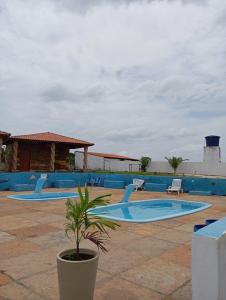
x=44 y=196
x=144 y=211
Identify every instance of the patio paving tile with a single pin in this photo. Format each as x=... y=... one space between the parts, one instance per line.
x=10 y=210
x=159 y=275
x=44 y=284
x=219 y=208
x=180 y=255
x=56 y=240
x=183 y=293
x=120 y=238
x=213 y=211
x=150 y=246
x=171 y=223
x=116 y=288
x=219 y=215
x=15 y=222
x=147 y=229
x=43 y=217
x=174 y=235
x=195 y=217
x=5 y=237
x=187 y=227
x=60 y=225
x=102 y=277
x=57 y=208
x=29 y=264
x=4 y=279
x=114 y=264
x=15 y=291
x=33 y=231
x=17 y=248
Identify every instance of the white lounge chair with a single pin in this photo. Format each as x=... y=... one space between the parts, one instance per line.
x=138 y=183
x=176 y=186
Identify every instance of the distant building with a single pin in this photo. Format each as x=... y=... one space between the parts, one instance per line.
x=107 y=162
x=45 y=151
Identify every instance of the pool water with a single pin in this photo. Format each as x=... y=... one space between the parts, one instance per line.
x=44 y=196
x=148 y=210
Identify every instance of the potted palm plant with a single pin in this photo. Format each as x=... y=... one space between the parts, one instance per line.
x=77 y=267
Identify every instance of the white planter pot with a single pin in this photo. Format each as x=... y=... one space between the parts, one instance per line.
x=77 y=278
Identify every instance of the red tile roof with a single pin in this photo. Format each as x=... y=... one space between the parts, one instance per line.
x=50 y=137
x=114 y=156
x=3 y=133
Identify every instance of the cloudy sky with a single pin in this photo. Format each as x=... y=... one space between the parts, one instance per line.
x=134 y=77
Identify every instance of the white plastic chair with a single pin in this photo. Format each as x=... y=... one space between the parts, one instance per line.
x=138 y=183
x=176 y=186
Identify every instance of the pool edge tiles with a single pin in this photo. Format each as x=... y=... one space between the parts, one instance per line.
x=200 y=206
x=47 y=196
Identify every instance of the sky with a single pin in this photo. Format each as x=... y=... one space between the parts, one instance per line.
x=135 y=77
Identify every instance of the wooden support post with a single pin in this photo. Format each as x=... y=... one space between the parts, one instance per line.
x=85 y=158
x=7 y=157
x=14 y=156
x=1 y=143
x=52 y=157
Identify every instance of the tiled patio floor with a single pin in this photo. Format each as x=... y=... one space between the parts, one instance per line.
x=147 y=261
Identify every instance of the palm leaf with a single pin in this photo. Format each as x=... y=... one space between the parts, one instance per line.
x=97 y=238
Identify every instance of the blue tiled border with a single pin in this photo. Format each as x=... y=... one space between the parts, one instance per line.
x=217 y=186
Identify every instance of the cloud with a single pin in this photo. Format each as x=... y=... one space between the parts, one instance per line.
x=136 y=77
x=82 y=6
x=60 y=93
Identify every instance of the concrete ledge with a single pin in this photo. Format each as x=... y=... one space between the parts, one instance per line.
x=22 y=187
x=201 y=193
x=155 y=187
x=64 y=183
x=112 y=184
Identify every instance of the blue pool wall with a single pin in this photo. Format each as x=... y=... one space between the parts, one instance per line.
x=217 y=186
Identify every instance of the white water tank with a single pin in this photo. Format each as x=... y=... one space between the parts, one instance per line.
x=212 y=151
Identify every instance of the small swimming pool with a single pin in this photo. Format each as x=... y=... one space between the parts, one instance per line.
x=44 y=196
x=144 y=211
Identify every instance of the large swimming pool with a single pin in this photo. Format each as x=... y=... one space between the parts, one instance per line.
x=144 y=211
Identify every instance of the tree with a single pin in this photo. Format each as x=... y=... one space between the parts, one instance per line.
x=145 y=160
x=175 y=162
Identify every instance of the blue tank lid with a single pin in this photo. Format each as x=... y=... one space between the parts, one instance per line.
x=212 y=140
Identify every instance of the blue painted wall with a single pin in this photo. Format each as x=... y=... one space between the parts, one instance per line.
x=216 y=185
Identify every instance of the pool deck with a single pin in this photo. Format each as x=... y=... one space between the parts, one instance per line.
x=145 y=261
